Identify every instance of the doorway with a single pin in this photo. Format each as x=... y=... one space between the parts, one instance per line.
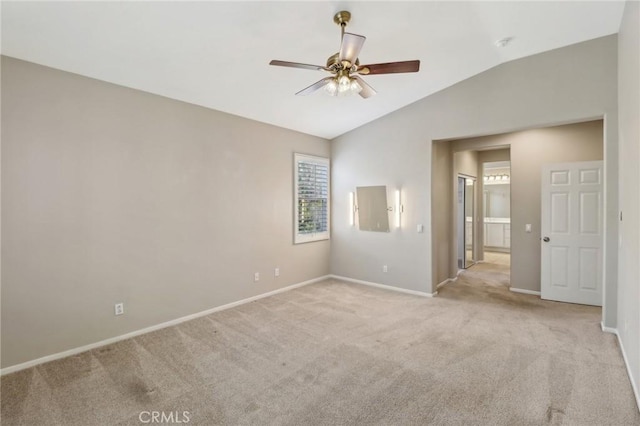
x=527 y=150
x=496 y=212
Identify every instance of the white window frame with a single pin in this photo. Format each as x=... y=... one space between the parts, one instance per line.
x=298 y=237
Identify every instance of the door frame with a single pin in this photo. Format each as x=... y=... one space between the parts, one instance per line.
x=440 y=258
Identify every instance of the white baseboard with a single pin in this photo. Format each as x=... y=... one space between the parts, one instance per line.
x=74 y=351
x=634 y=385
x=445 y=282
x=524 y=291
x=384 y=286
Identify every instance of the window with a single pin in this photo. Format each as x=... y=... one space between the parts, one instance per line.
x=311 y=204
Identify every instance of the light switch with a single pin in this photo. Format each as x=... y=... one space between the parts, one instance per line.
x=420 y=228
x=527 y=228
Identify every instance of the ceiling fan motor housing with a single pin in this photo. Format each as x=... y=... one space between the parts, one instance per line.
x=333 y=62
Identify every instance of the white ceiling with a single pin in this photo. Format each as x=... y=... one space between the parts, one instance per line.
x=216 y=54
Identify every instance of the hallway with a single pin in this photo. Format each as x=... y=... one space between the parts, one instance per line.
x=503 y=259
x=489 y=279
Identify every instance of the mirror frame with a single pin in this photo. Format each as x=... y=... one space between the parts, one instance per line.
x=373 y=208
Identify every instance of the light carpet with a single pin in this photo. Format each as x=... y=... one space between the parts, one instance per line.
x=335 y=353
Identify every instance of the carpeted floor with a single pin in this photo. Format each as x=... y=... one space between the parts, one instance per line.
x=497 y=258
x=337 y=353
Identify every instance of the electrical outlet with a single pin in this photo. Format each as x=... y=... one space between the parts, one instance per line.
x=256 y=277
x=119 y=308
x=384 y=268
x=276 y=272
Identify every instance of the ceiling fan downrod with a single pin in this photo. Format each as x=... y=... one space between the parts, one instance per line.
x=342 y=18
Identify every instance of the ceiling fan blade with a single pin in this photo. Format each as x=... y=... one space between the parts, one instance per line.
x=315 y=86
x=367 y=91
x=297 y=65
x=390 y=68
x=350 y=48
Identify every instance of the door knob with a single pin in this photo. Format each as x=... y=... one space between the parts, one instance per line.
x=546 y=239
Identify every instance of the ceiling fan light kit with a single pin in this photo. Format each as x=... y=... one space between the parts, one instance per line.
x=342 y=85
x=345 y=66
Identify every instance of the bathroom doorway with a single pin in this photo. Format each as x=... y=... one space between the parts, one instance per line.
x=496 y=212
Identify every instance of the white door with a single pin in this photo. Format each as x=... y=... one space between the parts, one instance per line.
x=572 y=222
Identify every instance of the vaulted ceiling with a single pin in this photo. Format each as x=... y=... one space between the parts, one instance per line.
x=216 y=54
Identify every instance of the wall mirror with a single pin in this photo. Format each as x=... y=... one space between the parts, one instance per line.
x=373 y=211
x=466 y=214
x=469 y=222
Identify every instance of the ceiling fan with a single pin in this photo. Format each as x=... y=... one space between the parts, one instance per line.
x=345 y=66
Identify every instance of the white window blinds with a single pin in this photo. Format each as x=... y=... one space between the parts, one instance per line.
x=311 y=220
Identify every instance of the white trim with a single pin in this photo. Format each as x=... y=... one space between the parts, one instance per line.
x=608 y=329
x=445 y=282
x=74 y=351
x=524 y=291
x=384 y=286
x=634 y=385
x=320 y=236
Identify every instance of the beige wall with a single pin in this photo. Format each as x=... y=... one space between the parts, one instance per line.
x=529 y=150
x=571 y=84
x=628 y=320
x=442 y=198
x=115 y=195
x=466 y=163
x=492 y=155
